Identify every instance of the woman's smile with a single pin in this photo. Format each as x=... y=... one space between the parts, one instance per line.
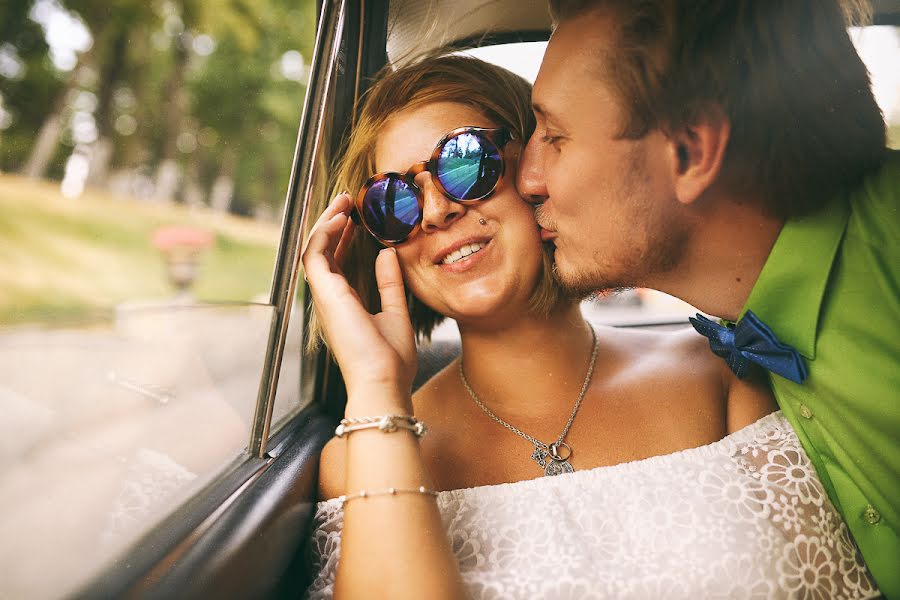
x=464 y=251
x=464 y=254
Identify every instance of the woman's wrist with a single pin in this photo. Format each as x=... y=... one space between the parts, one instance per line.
x=373 y=401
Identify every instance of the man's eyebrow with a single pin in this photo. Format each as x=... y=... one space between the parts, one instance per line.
x=543 y=112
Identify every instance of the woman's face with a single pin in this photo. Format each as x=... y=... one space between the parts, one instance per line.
x=503 y=273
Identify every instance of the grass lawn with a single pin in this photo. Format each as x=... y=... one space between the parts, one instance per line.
x=65 y=260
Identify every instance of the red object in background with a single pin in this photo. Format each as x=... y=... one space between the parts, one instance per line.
x=182 y=247
x=172 y=237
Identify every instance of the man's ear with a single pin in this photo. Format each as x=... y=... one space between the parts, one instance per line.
x=697 y=153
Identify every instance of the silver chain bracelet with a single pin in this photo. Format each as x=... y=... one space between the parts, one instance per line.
x=386 y=492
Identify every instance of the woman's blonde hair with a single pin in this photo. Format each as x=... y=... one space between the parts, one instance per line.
x=501 y=96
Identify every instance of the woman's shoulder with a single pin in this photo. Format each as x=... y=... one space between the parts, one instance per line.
x=661 y=349
x=682 y=359
x=443 y=384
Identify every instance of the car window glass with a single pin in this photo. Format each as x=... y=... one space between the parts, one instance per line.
x=879 y=48
x=145 y=154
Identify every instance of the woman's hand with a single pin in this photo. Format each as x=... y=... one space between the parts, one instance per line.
x=376 y=353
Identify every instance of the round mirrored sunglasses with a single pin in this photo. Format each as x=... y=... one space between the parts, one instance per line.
x=466 y=167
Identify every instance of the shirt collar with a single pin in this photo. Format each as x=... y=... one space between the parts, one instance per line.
x=788 y=294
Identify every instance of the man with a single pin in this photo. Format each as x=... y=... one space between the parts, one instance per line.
x=731 y=153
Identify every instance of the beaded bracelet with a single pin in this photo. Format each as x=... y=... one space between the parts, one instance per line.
x=385 y=423
x=386 y=492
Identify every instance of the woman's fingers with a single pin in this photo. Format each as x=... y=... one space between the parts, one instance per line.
x=340 y=204
x=343 y=246
x=390 y=283
x=393 y=321
x=353 y=334
x=318 y=256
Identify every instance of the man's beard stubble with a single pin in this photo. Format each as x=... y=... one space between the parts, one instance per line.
x=637 y=265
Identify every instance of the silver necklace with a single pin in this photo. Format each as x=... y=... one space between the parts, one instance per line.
x=559 y=451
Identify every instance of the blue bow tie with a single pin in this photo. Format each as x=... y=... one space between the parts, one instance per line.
x=751 y=340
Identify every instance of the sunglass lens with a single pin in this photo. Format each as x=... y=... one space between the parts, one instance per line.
x=469 y=166
x=390 y=209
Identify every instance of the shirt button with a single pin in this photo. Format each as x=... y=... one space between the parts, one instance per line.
x=805 y=412
x=871 y=515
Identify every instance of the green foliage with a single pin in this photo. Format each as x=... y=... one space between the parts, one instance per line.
x=29 y=95
x=239 y=94
x=228 y=112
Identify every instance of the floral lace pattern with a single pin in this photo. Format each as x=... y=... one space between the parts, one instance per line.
x=745 y=518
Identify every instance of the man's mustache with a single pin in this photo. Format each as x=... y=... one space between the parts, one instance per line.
x=545 y=222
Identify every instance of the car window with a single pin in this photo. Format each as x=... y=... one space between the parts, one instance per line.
x=879 y=48
x=145 y=154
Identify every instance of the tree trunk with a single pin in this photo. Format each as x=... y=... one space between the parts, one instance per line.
x=47 y=140
x=223 y=187
x=193 y=192
x=110 y=74
x=101 y=157
x=48 y=135
x=167 y=176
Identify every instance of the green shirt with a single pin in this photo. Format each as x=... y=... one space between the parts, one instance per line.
x=831 y=289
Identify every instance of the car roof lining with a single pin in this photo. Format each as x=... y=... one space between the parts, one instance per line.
x=417 y=27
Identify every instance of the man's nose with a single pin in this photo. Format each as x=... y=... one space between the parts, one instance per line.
x=439 y=212
x=530 y=180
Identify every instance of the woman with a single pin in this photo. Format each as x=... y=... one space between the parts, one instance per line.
x=659 y=503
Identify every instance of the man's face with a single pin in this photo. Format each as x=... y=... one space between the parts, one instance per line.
x=607 y=204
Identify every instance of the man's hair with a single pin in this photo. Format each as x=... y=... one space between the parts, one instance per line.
x=501 y=96
x=804 y=121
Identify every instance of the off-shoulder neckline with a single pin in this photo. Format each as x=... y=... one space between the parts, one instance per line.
x=771 y=421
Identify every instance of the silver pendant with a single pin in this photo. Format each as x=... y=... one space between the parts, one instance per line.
x=559 y=452
x=539 y=456
x=557 y=467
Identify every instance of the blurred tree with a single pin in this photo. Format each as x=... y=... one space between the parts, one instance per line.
x=189 y=99
x=29 y=90
x=113 y=24
x=249 y=95
x=109 y=24
x=189 y=19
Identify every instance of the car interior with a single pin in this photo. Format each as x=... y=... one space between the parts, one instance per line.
x=243 y=534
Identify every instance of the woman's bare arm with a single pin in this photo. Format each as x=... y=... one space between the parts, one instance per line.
x=392 y=546
x=748 y=399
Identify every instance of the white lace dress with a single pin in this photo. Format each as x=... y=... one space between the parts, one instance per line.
x=744 y=517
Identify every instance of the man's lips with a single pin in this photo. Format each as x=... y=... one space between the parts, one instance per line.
x=547 y=235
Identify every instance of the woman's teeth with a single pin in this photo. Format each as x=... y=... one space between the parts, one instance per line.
x=463 y=252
